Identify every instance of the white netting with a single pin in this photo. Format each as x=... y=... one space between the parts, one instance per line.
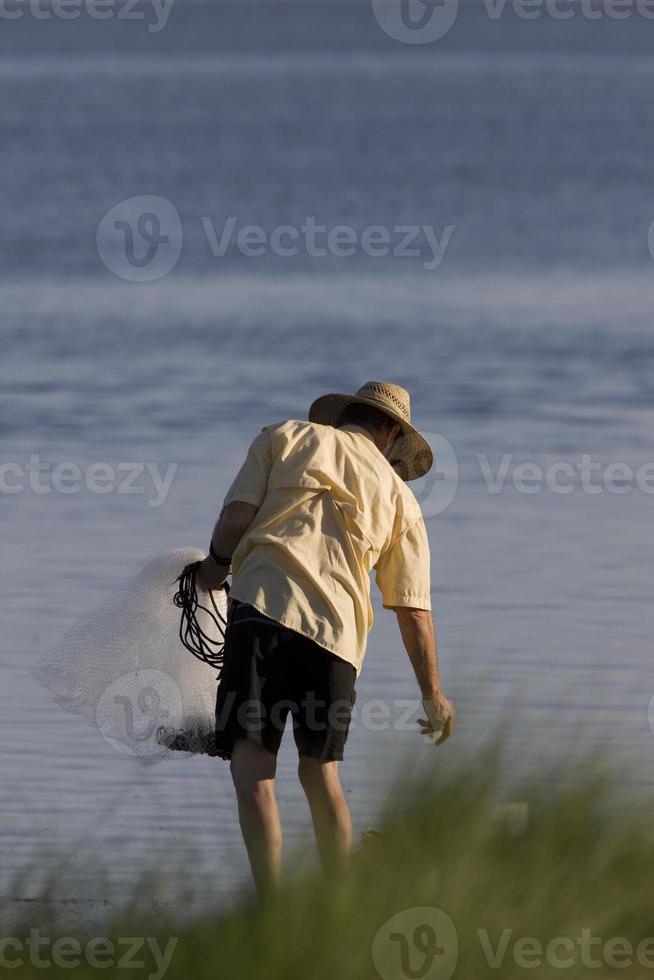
x=123 y=666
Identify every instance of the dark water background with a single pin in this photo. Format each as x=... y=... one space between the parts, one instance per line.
x=535 y=141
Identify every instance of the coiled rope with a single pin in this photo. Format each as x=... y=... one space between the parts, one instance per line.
x=197 y=641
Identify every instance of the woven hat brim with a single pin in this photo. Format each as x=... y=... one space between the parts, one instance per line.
x=413 y=456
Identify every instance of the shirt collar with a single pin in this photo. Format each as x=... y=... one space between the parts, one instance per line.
x=351 y=427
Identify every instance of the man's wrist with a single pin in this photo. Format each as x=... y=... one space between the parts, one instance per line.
x=433 y=694
x=221 y=560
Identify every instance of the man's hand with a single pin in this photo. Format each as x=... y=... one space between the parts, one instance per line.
x=439 y=723
x=211 y=576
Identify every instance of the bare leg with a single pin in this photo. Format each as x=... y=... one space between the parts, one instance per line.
x=329 y=810
x=253 y=772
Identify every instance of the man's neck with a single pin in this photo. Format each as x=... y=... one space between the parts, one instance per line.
x=353 y=427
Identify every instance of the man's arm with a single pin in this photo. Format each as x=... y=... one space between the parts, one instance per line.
x=232 y=524
x=403 y=579
x=241 y=503
x=419 y=638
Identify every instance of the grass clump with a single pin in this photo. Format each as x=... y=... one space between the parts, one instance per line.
x=445 y=891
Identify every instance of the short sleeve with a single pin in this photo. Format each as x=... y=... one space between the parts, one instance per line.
x=251 y=481
x=402 y=572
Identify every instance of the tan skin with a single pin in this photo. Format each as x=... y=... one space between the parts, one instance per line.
x=253 y=767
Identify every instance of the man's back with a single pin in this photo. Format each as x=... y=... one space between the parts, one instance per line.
x=331 y=508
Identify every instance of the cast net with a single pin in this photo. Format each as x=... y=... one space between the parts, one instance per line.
x=124 y=667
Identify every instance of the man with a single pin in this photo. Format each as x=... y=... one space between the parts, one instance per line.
x=314 y=509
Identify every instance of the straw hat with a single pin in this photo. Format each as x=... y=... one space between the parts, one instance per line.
x=412 y=455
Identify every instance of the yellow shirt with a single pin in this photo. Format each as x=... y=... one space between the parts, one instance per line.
x=331 y=509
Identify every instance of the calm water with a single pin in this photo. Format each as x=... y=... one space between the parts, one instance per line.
x=533 y=338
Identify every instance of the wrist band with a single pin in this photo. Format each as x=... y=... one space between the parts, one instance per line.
x=218 y=559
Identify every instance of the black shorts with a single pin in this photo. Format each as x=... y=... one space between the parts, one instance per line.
x=269 y=672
